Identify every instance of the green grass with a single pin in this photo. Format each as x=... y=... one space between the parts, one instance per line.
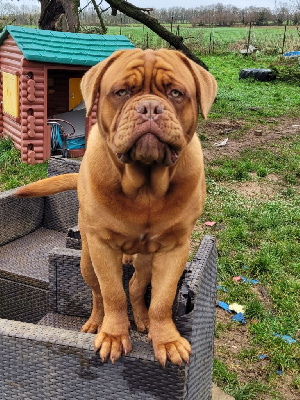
x=259 y=240
x=283 y=159
x=229 y=381
x=13 y=172
x=259 y=234
x=251 y=100
x=245 y=98
x=215 y=40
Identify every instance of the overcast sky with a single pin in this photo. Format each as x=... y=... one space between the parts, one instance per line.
x=197 y=3
x=183 y=3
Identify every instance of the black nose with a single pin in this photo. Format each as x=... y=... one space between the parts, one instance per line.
x=150 y=109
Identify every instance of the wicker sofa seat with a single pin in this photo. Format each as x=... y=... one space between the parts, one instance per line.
x=44 y=301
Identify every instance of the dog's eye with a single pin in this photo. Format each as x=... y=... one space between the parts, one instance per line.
x=175 y=93
x=121 y=92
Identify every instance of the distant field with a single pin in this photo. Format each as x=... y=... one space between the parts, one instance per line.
x=216 y=40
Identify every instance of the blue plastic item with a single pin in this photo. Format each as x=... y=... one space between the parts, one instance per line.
x=239 y=317
x=56 y=142
x=262 y=356
x=286 y=338
x=76 y=143
x=292 y=54
x=223 y=305
x=252 y=281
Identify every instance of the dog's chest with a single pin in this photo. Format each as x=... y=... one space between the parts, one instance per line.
x=145 y=244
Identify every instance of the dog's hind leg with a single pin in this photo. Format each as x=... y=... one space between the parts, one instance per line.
x=94 y=323
x=137 y=288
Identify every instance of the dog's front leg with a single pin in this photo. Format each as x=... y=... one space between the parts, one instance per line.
x=166 y=271
x=113 y=338
x=95 y=321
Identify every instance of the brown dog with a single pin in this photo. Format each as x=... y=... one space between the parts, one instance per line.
x=141 y=188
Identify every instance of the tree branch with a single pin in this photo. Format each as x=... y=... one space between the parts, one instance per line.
x=98 y=12
x=176 y=41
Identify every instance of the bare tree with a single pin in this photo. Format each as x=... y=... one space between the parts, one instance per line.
x=99 y=14
x=59 y=15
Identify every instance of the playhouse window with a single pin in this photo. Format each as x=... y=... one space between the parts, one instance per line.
x=10 y=94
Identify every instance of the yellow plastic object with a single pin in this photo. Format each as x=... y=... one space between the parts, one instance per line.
x=75 y=96
x=10 y=94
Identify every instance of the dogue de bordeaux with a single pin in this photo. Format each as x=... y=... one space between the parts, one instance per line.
x=141 y=188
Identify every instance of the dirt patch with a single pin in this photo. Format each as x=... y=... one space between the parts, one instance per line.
x=229 y=345
x=263 y=296
x=257 y=136
x=263 y=189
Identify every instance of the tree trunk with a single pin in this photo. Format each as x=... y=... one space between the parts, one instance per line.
x=134 y=12
x=59 y=15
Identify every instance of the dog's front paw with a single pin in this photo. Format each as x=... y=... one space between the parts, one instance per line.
x=113 y=345
x=169 y=345
x=176 y=351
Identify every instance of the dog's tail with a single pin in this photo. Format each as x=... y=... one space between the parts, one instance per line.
x=45 y=187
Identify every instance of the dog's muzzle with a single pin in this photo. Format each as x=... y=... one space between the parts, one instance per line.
x=149 y=149
x=149 y=140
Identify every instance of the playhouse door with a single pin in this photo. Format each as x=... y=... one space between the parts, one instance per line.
x=75 y=96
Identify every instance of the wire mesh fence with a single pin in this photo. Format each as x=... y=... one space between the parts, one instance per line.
x=214 y=40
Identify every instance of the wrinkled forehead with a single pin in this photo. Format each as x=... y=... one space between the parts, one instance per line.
x=147 y=69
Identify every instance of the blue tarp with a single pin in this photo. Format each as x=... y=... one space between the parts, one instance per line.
x=292 y=54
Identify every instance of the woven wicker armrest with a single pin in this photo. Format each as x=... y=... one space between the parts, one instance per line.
x=61 y=209
x=18 y=217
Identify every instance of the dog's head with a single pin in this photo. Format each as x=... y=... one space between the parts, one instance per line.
x=148 y=102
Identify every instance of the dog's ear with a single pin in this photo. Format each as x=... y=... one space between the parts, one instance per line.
x=90 y=83
x=206 y=85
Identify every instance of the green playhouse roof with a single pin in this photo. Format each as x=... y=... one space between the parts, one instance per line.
x=64 y=47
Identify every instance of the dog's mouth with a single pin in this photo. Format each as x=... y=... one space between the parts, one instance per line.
x=149 y=149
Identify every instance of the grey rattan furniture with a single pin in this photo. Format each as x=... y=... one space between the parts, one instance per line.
x=44 y=356
x=29 y=229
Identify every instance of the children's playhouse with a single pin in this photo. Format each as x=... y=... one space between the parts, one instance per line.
x=41 y=104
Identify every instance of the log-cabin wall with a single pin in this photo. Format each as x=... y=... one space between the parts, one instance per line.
x=10 y=61
x=34 y=137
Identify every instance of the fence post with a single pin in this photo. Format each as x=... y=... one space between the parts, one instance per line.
x=249 y=36
x=283 y=41
x=172 y=23
x=121 y=26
